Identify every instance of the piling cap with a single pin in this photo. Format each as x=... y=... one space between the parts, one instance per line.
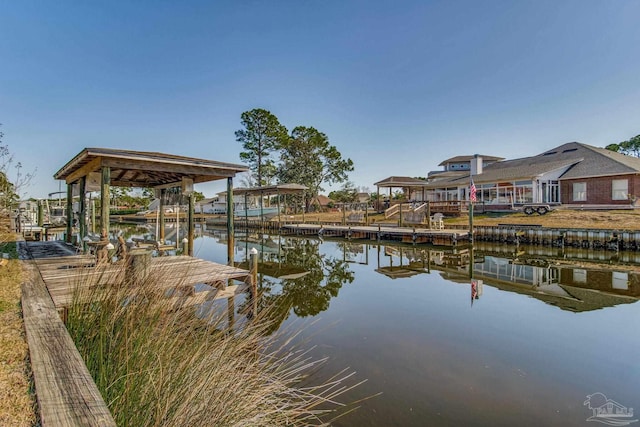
x=253 y=251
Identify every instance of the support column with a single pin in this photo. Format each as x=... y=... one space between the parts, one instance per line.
x=278 y=202
x=69 y=213
x=191 y=223
x=40 y=213
x=230 y=231
x=160 y=236
x=105 y=199
x=93 y=216
x=82 y=221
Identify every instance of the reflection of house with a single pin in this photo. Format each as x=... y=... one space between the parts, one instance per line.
x=570 y=174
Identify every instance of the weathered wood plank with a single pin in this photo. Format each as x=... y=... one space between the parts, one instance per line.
x=164 y=272
x=66 y=393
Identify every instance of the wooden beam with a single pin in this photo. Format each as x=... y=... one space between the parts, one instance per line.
x=66 y=393
x=196 y=171
x=92 y=166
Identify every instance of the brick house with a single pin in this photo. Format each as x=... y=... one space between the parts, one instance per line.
x=572 y=174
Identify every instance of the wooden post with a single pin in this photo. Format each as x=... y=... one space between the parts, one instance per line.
x=231 y=307
x=40 y=213
x=400 y=218
x=253 y=262
x=104 y=198
x=366 y=213
x=69 y=213
x=82 y=221
x=344 y=214
x=246 y=211
x=191 y=223
x=161 y=217
x=93 y=216
x=304 y=206
x=230 y=237
x=429 y=213
x=278 y=201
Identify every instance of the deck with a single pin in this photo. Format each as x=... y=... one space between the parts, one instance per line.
x=63 y=272
x=66 y=393
x=441 y=237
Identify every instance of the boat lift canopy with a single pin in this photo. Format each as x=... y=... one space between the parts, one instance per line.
x=98 y=168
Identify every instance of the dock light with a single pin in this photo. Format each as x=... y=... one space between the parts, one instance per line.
x=110 y=246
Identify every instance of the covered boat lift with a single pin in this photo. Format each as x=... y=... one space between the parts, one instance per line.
x=271 y=190
x=96 y=169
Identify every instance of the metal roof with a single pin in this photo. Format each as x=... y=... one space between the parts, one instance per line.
x=401 y=181
x=145 y=169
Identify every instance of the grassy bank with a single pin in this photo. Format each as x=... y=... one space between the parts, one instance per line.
x=156 y=363
x=18 y=404
x=564 y=218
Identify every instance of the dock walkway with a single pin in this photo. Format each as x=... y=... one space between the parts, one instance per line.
x=65 y=391
x=442 y=237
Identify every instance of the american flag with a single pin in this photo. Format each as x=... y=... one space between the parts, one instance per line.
x=472 y=192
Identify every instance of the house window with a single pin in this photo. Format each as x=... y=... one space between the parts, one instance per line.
x=579 y=191
x=619 y=189
x=620 y=280
x=579 y=275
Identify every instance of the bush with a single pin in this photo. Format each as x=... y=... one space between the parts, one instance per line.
x=156 y=363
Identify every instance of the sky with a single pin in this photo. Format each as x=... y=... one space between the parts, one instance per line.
x=397 y=86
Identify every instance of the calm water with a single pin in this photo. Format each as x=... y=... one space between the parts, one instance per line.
x=540 y=336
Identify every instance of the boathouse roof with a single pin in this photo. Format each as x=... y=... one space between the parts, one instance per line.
x=401 y=181
x=268 y=190
x=144 y=169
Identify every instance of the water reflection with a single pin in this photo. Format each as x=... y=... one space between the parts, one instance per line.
x=535 y=342
x=296 y=276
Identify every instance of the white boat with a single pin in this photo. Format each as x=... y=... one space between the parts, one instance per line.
x=264 y=212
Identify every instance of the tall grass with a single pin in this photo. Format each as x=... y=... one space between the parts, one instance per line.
x=156 y=363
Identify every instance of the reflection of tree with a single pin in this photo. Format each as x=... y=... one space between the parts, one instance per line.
x=307 y=295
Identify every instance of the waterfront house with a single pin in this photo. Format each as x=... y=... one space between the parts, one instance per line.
x=572 y=174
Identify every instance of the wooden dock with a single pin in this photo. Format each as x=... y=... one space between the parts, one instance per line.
x=66 y=393
x=441 y=237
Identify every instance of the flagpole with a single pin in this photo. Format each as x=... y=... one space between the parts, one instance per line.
x=472 y=197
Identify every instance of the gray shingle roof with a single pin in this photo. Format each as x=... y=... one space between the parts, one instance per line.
x=580 y=160
x=596 y=161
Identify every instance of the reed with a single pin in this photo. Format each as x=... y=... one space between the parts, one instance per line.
x=157 y=363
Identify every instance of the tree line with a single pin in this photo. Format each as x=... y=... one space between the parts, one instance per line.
x=276 y=156
x=630 y=147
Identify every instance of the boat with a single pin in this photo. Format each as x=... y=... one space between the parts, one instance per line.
x=264 y=212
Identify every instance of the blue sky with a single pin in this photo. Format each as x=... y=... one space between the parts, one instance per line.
x=398 y=86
